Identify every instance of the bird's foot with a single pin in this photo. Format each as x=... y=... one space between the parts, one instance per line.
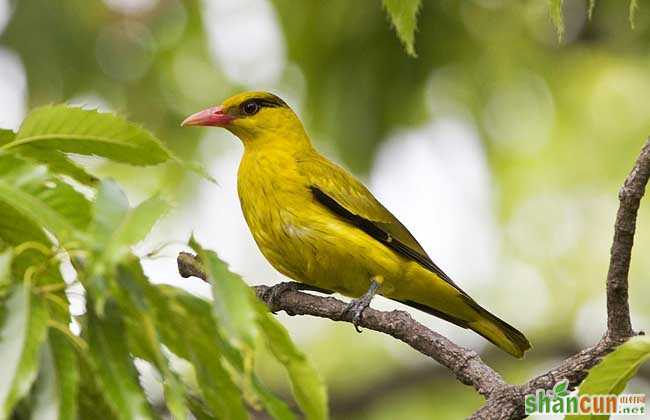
x=273 y=293
x=356 y=307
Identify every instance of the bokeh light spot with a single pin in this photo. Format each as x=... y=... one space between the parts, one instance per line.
x=124 y=50
x=520 y=114
x=246 y=40
x=131 y=6
x=13 y=93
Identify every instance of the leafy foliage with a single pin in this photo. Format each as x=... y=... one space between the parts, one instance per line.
x=53 y=372
x=403 y=14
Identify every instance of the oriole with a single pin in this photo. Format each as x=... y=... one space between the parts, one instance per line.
x=318 y=225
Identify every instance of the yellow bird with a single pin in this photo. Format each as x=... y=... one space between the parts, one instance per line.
x=317 y=224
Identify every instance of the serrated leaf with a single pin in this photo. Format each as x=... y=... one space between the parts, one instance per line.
x=144 y=338
x=58 y=163
x=557 y=17
x=198 y=169
x=55 y=393
x=91 y=398
x=201 y=310
x=36 y=210
x=21 y=335
x=22 y=222
x=186 y=328
x=76 y=130
x=135 y=226
x=73 y=206
x=612 y=374
x=117 y=375
x=403 y=15
x=307 y=385
x=16 y=229
x=116 y=226
x=234 y=302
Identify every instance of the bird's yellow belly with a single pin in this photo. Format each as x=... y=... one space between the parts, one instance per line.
x=329 y=253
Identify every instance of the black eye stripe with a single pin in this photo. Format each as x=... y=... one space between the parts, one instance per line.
x=270 y=103
x=252 y=105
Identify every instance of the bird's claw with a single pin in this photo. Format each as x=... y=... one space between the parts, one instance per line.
x=356 y=308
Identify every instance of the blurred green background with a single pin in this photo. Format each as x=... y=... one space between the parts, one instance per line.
x=501 y=149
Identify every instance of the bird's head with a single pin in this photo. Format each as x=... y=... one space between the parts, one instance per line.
x=255 y=117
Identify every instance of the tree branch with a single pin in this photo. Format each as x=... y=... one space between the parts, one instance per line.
x=618 y=311
x=504 y=401
x=464 y=363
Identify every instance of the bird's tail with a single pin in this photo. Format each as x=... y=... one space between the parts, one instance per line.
x=499 y=332
x=493 y=329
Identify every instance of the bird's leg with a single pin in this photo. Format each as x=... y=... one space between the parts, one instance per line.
x=357 y=306
x=272 y=294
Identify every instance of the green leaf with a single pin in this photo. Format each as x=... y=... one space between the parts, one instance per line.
x=67 y=374
x=590 y=10
x=144 y=340
x=21 y=335
x=116 y=226
x=58 y=378
x=58 y=163
x=557 y=17
x=307 y=385
x=238 y=310
x=6 y=136
x=91 y=397
x=36 y=210
x=111 y=207
x=5 y=268
x=115 y=370
x=62 y=198
x=403 y=14
x=234 y=302
x=612 y=374
x=186 y=328
x=277 y=408
x=634 y=7
x=75 y=130
x=135 y=226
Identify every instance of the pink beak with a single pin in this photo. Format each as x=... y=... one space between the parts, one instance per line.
x=209 y=117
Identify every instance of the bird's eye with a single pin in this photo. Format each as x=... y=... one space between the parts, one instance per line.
x=250 y=108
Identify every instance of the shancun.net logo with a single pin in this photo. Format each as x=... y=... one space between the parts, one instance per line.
x=560 y=401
